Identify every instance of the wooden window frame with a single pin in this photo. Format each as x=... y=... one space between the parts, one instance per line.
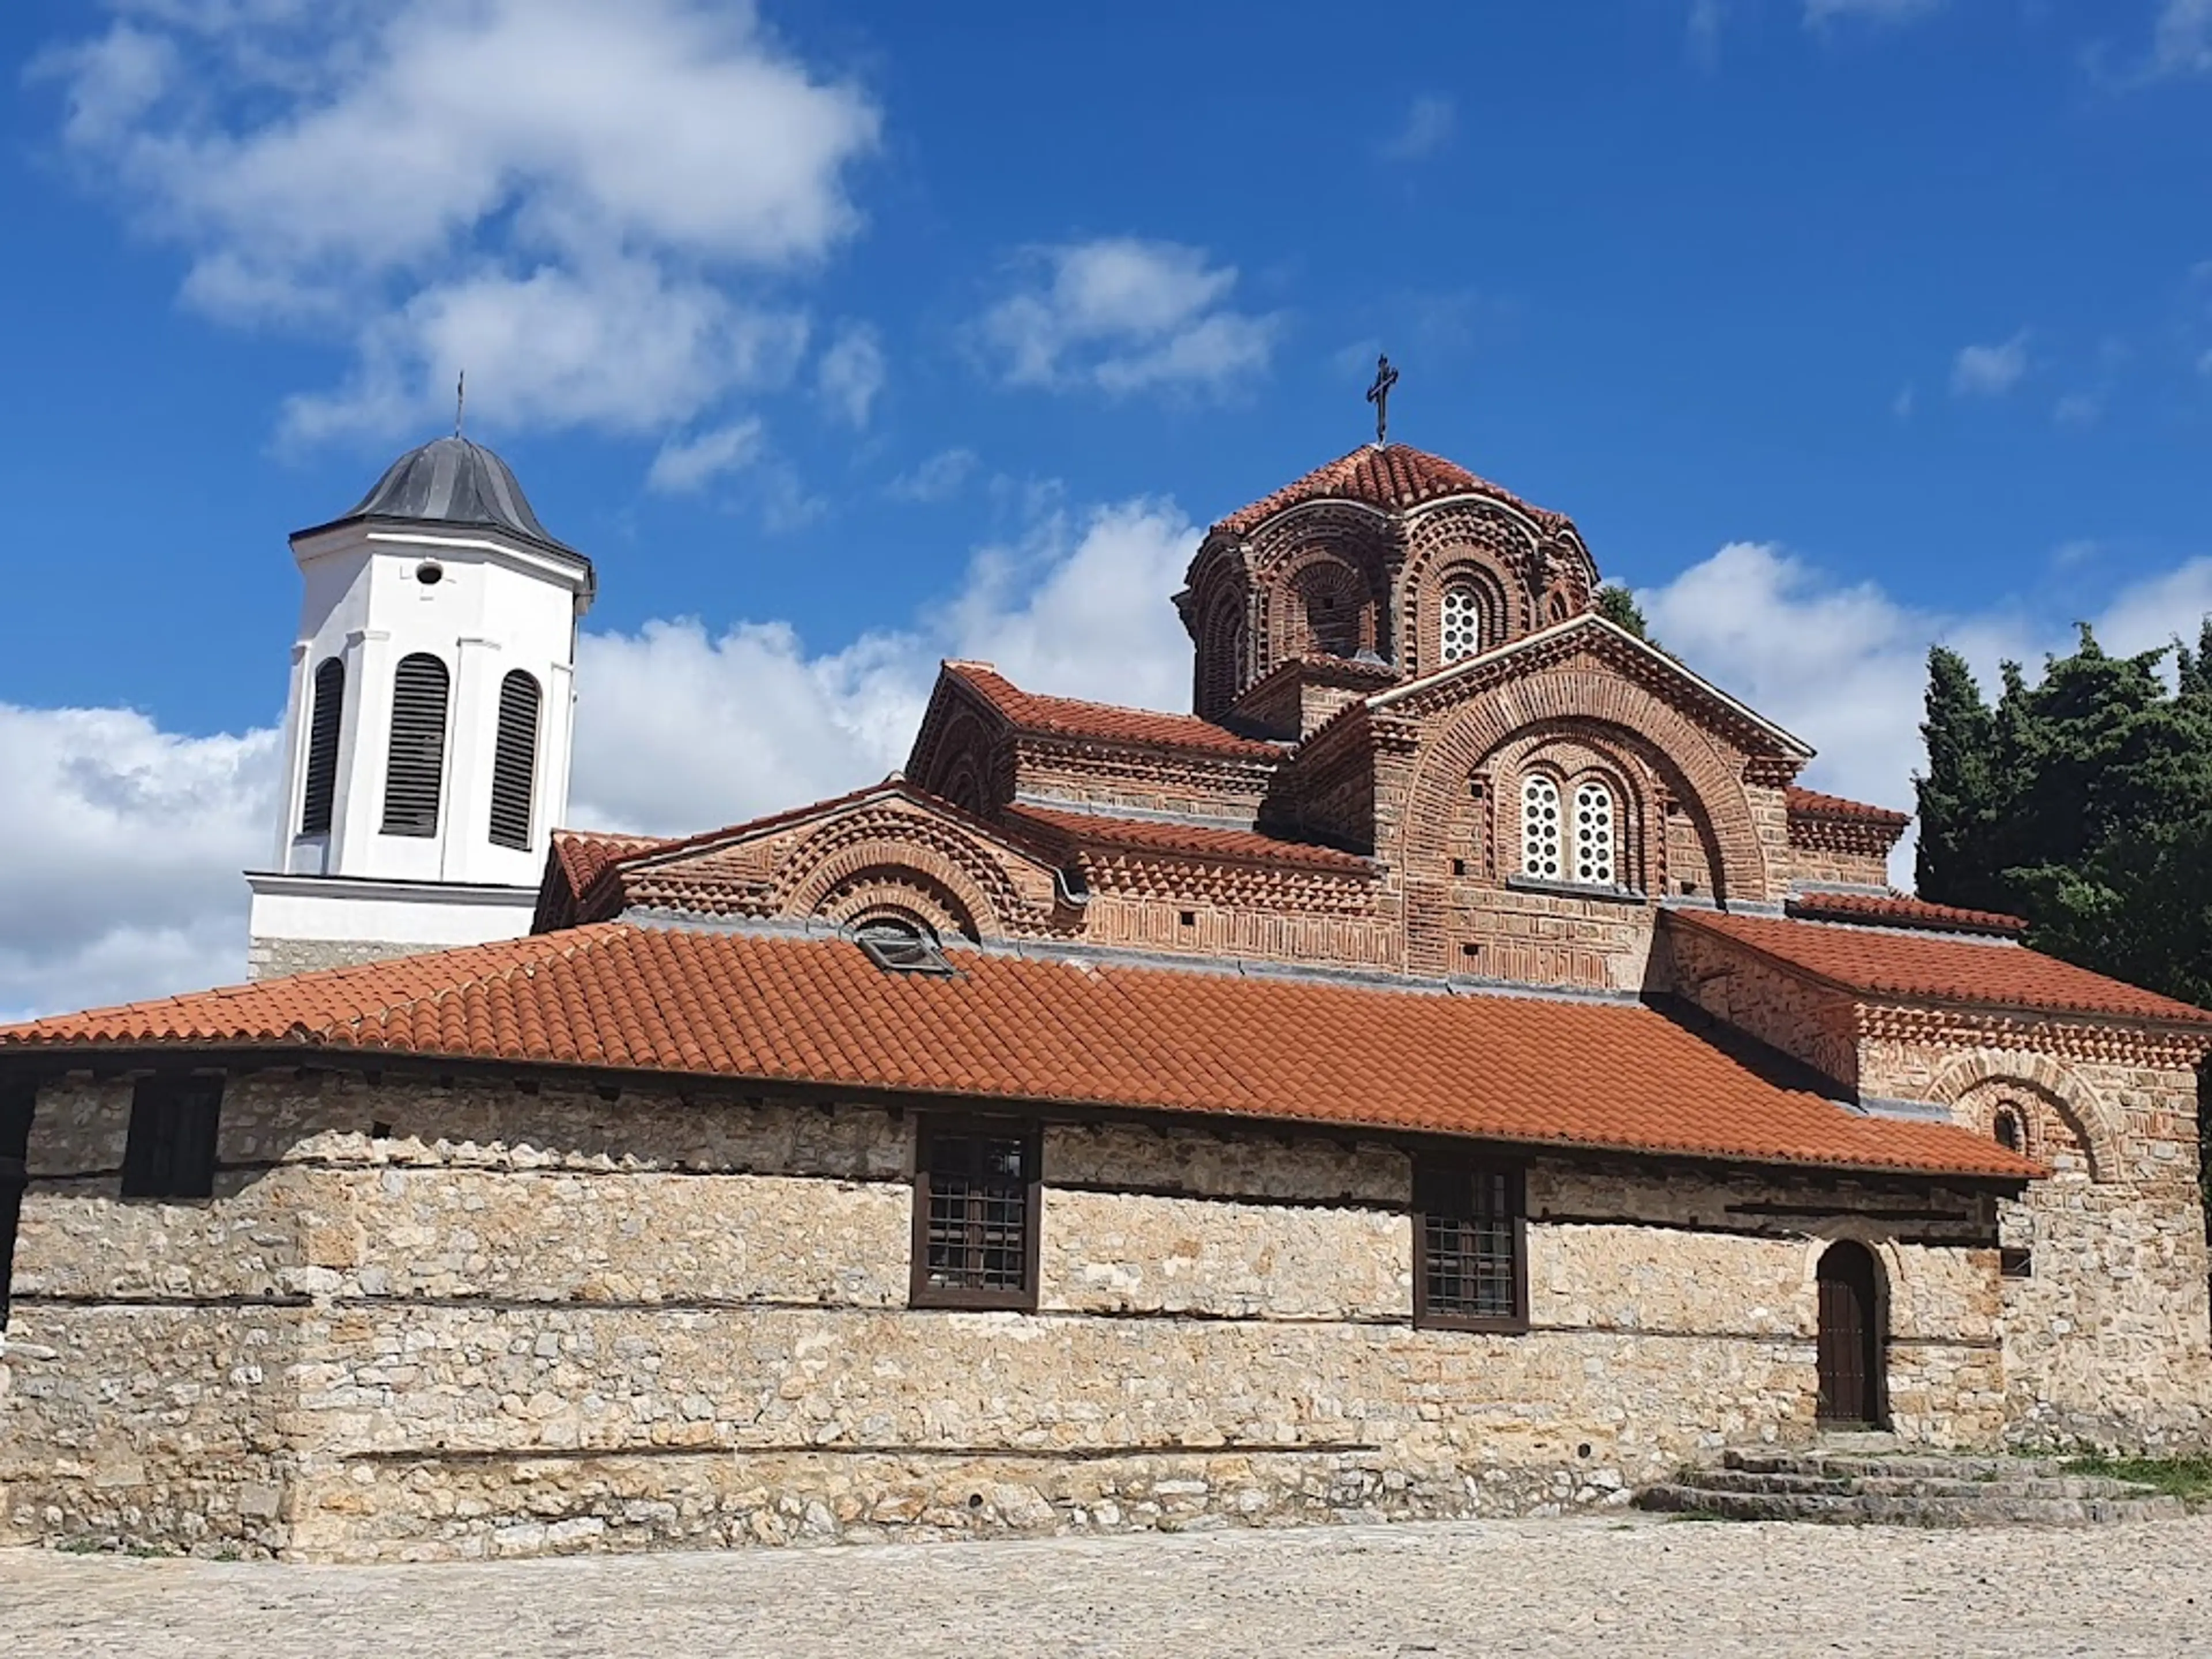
x=920 y=1293
x=169 y=1152
x=1430 y=1172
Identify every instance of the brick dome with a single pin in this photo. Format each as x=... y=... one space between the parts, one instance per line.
x=1391 y=477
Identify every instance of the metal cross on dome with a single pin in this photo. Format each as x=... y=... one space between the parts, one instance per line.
x=1379 y=395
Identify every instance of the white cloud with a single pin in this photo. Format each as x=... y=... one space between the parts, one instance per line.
x=1703 y=29
x=2181 y=44
x=1821 y=12
x=1989 y=371
x=851 y=374
x=587 y=207
x=121 y=845
x=120 y=851
x=688 y=464
x=939 y=478
x=1427 y=129
x=1901 y=404
x=1124 y=315
x=2078 y=409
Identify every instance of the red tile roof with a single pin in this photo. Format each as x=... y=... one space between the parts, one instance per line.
x=1106 y=722
x=1185 y=841
x=1811 y=803
x=1390 y=476
x=1986 y=973
x=613 y=997
x=1902 y=910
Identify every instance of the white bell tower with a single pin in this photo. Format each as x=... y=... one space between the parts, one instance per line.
x=427 y=736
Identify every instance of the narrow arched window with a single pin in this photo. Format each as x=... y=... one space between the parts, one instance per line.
x=323 y=723
x=1594 y=833
x=1540 y=827
x=514 y=761
x=2007 y=1129
x=417 y=774
x=1459 y=616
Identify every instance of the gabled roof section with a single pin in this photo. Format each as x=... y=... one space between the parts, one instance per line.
x=1388 y=478
x=1109 y=832
x=1902 y=910
x=1100 y=722
x=574 y=860
x=1022 y=1032
x=1617 y=642
x=1877 y=963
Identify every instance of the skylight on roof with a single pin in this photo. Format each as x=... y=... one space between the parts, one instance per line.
x=898 y=946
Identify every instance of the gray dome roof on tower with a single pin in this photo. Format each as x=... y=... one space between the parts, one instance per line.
x=452 y=481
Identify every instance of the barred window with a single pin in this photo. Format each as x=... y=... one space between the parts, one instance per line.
x=1541 y=841
x=169 y=1152
x=1592 y=833
x=1470 y=1268
x=416 y=774
x=514 y=760
x=975 y=1216
x=1460 y=616
x=323 y=748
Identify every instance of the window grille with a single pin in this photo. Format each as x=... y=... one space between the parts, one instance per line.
x=323 y=748
x=1460 y=620
x=897 y=946
x=1541 y=841
x=169 y=1152
x=514 y=760
x=1470 y=1238
x=975 y=1209
x=417 y=774
x=1592 y=833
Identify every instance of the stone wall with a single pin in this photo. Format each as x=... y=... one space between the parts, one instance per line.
x=425 y=1321
x=274 y=958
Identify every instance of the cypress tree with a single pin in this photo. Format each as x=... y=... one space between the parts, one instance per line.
x=1958 y=798
x=1618 y=606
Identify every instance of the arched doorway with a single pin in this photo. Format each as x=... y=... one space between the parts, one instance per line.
x=1853 y=1351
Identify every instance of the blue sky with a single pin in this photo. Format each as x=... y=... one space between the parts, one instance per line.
x=857 y=334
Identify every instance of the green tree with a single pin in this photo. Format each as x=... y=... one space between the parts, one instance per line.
x=1618 y=606
x=1958 y=797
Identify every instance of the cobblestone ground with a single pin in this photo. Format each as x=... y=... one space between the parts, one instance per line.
x=1642 y=1586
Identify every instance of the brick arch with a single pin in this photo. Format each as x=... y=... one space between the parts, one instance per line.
x=825 y=863
x=1498 y=596
x=903 y=893
x=1296 y=593
x=1972 y=1085
x=1452 y=533
x=1685 y=758
x=1334 y=532
x=1220 y=641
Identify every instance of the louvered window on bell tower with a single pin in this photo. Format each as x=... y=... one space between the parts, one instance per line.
x=514 y=762
x=417 y=774
x=323 y=748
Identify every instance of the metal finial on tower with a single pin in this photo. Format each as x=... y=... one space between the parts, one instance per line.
x=460 y=400
x=1379 y=395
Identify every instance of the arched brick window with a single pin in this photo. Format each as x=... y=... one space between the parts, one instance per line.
x=1459 y=623
x=1594 y=832
x=1335 y=607
x=2011 y=1133
x=1542 y=841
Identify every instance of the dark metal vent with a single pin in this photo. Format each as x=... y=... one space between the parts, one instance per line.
x=323 y=748
x=514 y=763
x=169 y=1149
x=418 y=747
x=900 y=947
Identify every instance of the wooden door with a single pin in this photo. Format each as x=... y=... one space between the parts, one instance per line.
x=1850 y=1341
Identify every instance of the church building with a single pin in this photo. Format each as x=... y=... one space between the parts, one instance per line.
x=1455 y=1069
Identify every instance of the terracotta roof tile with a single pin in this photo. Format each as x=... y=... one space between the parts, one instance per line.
x=1187 y=840
x=768 y=1009
x=1983 y=972
x=1391 y=476
x=1811 y=803
x=1069 y=717
x=1903 y=910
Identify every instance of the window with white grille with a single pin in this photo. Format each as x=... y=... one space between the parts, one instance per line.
x=1594 y=833
x=1541 y=839
x=1460 y=618
x=417 y=776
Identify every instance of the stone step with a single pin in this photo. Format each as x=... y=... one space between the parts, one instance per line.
x=1896 y=1486
x=1827 y=1465
x=1861 y=1509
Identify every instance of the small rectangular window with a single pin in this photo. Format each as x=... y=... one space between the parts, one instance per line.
x=976 y=1203
x=170 y=1152
x=1470 y=1245
x=2015 y=1263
